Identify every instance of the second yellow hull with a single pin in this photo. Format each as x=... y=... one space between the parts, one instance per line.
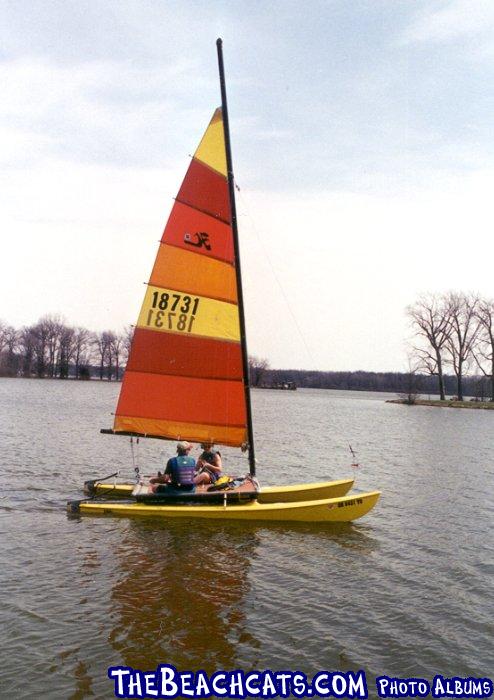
x=291 y=493
x=342 y=509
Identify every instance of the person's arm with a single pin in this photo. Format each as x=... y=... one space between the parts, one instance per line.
x=216 y=466
x=168 y=471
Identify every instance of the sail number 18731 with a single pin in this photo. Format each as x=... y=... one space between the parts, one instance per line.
x=174 y=312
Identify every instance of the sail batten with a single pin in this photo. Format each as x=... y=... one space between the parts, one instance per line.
x=217 y=217
x=211 y=257
x=195 y=252
x=185 y=374
x=188 y=290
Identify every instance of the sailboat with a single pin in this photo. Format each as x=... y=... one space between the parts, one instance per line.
x=187 y=376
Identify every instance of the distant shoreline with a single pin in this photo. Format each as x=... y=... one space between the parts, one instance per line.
x=448 y=403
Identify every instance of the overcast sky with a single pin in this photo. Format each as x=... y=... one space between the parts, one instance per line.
x=362 y=137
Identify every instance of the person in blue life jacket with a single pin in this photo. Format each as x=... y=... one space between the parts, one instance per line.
x=209 y=465
x=180 y=470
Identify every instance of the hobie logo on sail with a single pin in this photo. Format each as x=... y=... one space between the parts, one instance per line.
x=199 y=239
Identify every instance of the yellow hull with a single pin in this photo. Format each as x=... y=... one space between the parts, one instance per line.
x=329 y=510
x=305 y=492
x=291 y=493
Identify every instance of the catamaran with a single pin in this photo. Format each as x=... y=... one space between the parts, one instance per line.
x=187 y=376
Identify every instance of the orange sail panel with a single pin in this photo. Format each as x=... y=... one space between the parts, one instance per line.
x=197 y=274
x=184 y=377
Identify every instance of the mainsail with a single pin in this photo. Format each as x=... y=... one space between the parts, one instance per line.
x=185 y=374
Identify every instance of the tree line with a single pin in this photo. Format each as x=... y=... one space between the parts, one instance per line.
x=52 y=348
x=394 y=382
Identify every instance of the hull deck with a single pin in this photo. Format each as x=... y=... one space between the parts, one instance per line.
x=166 y=495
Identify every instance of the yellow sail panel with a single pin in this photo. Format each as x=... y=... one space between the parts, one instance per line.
x=211 y=150
x=179 y=430
x=173 y=311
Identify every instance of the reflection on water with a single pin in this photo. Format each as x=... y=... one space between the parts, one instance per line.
x=405 y=591
x=181 y=595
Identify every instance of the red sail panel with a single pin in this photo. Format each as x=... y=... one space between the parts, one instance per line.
x=189 y=399
x=184 y=377
x=172 y=353
x=193 y=230
x=206 y=190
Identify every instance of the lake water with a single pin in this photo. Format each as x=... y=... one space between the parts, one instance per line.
x=406 y=591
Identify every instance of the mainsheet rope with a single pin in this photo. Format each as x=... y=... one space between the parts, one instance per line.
x=135 y=458
x=246 y=207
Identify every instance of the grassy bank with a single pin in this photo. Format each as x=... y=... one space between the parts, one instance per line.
x=489 y=405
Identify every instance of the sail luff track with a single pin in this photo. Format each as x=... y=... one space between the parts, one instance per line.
x=233 y=210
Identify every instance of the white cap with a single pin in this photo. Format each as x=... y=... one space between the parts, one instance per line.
x=184 y=445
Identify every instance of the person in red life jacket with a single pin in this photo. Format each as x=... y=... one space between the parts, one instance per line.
x=208 y=465
x=179 y=472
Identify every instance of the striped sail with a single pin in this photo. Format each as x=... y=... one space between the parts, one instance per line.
x=184 y=378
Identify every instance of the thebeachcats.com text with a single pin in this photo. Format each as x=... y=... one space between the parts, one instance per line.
x=167 y=682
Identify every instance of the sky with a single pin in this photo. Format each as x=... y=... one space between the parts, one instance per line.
x=363 y=150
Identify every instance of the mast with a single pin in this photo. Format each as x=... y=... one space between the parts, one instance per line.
x=236 y=247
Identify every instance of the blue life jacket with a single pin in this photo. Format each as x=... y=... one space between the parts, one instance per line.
x=182 y=470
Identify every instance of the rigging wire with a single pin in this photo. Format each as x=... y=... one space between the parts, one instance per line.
x=355 y=463
x=247 y=208
x=135 y=458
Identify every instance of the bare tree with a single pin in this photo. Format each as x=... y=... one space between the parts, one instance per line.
x=82 y=345
x=464 y=329
x=117 y=344
x=128 y=335
x=3 y=327
x=257 y=369
x=40 y=334
x=430 y=320
x=9 y=339
x=102 y=344
x=413 y=383
x=53 y=326
x=484 y=350
x=27 y=344
x=66 y=348
x=46 y=333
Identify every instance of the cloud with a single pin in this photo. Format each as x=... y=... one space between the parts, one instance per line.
x=97 y=111
x=442 y=22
